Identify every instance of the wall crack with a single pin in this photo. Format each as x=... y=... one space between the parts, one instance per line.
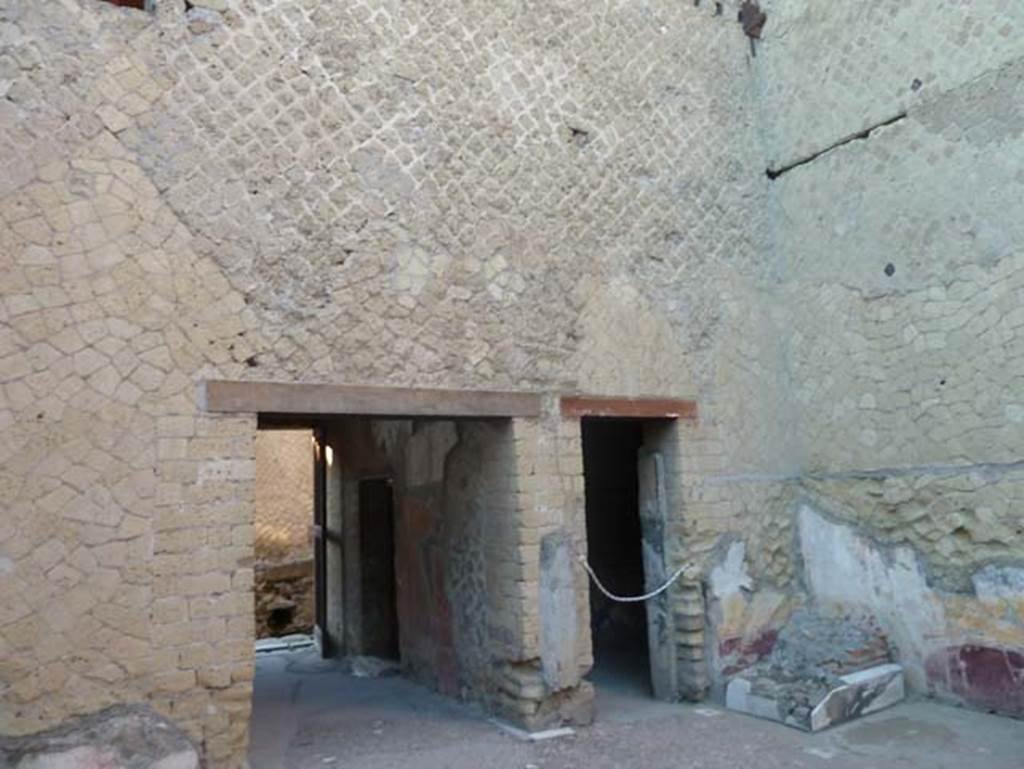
x=775 y=173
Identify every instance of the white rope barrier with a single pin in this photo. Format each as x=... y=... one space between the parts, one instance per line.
x=630 y=598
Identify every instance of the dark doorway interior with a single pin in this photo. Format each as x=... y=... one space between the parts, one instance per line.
x=618 y=630
x=377 y=551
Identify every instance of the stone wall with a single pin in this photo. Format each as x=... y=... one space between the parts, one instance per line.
x=284 y=589
x=454 y=194
x=569 y=197
x=466 y=558
x=897 y=228
x=455 y=524
x=284 y=496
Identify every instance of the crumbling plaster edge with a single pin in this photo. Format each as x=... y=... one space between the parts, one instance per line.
x=838 y=514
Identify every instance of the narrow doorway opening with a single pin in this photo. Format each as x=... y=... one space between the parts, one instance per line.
x=614 y=546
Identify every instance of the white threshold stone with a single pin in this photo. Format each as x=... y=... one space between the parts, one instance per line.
x=522 y=734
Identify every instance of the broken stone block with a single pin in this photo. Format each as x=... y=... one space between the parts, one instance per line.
x=739 y=696
x=861 y=693
x=121 y=737
x=800 y=703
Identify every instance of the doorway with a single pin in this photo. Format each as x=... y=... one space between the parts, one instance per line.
x=325 y=541
x=626 y=463
x=614 y=536
x=406 y=516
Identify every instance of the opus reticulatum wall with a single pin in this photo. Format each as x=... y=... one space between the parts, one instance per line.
x=471 y=195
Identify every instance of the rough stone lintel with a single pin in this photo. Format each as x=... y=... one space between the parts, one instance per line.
x=637 y=408
x=318 y=399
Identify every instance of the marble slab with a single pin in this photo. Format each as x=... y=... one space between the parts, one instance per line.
x=856 y=695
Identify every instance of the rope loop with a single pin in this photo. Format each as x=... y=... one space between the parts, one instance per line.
x=630 y=598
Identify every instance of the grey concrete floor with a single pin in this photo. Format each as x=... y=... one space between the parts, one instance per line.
x=310 y=713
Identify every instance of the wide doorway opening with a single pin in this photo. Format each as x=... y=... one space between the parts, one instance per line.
x=401 y=519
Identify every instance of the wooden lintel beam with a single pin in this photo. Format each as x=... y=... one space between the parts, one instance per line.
x=633 y=408
x=235 y=397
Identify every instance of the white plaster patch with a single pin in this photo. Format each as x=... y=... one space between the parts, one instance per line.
x=731 y=576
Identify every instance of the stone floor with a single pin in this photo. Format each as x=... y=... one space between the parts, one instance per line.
x=310 y=713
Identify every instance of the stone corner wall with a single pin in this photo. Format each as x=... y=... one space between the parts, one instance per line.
x=542 y=684
x=897 y=231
